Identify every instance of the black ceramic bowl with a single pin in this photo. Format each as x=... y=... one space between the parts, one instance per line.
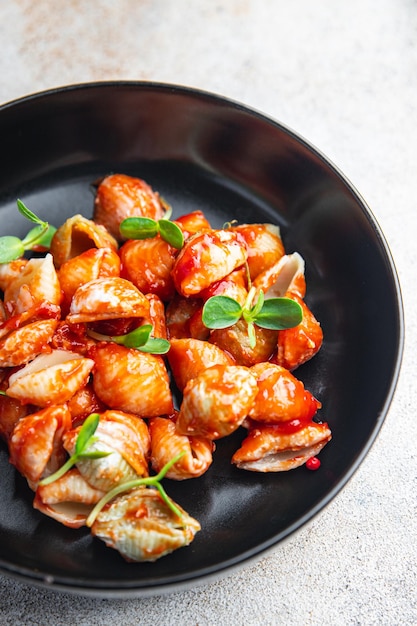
x=204 y=152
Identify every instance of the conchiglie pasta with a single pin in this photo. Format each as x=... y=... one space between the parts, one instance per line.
x=36 y=283
x=286 y=275
x=25 y=343
x=188 y=357
x=89 y=265
x=107 y=299
x=148 y=263
x=264 y=246
x=299 y=344
x=282 y=397
x=68 y=500
x=131 y=381
x=126 y=438
x=269 y=448
x=206 y=258
x=141 y=526
x=76 y=235
x=216 y=402
x=119 y=196
x=166 y=443
x=235 y=341
x=50 y=379
x=35 y=444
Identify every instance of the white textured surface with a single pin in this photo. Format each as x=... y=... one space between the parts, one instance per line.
x=344 y=75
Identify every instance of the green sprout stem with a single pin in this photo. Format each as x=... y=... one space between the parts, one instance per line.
x=140 y=338
x=84 y=440
x=150 y=481
x=34 y=236
x=39 y=236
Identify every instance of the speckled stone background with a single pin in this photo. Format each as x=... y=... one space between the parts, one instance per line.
x=344 y=75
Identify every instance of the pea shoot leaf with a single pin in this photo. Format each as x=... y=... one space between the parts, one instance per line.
x=221 y=312
x=171 y=233
x=147 y=228
x=11 y=248
x=139 y=339
x=279 y=314
x=273 y=313
x=138 y=228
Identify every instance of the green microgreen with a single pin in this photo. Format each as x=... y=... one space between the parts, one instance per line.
x=39 y=236
x=272 y=313
x=139 y=338
x=84 y=440
x=279 y=314
x=147 y=228
x=149 y=481
x=221 y=312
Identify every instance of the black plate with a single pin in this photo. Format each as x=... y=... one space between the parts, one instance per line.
x=202 y=151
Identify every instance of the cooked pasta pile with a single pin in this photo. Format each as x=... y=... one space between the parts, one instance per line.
x=69 y=319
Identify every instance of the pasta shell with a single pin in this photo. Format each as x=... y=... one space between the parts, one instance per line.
x=216 y=402
x=188 y=357
x=157 y=316
x=76 y=235
x=107 y=299
x=166 y=443
x=268 y=449
x=141 y=526
x=129 y=435
x=50 y=378
x=264 y=245
x=193 y=222
x=127 y=439
x=10 y=271
x=11 y=411
x=282 y=397
x=147 y=263
x=131 y=381
x=39 y=312
x=89 y=265
x=196 y=327
x=68 y=499
x=206 y=258
x=234 y=285
x=286 y=275
x=119 y=196
x=179 y=312
x=106 y=472
x=83 y=403
x=72 y=338
x=235 y=341
x=36 y=283
x=299 y=344
x=35 y=444
x=27 y=342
